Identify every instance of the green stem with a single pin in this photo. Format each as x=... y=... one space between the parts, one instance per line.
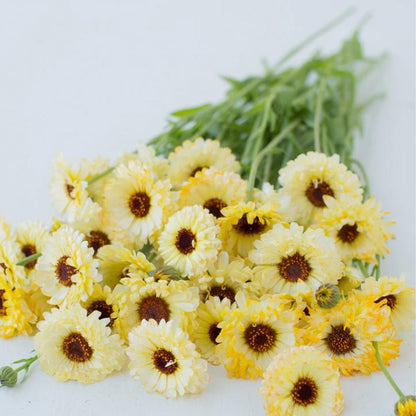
x=28 y=362
x=378 y=267
x=362 y=268
x=101 y=175
x=318 y=116
x=259 y=157
x=385 y=371
x=28 y=259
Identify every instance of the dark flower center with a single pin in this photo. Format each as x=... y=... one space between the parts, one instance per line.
x=304 y=392
x=28 y=250
x=214 y=206
x=155 y=308
x=348 y=233
x=223 y=292
x=391 y=300
x=68 y=189
x=213 y=333
x=260 y=337
x=139 y=204
x=3 y=309
x=96 y=239
x=340 y=341
x=185 y=241
x=76 y=348
x=294 y=268
x=64 y=271
x=104 y=308
x=196 y=170
x=244 y=227
x=165 y=361
x=316 y=191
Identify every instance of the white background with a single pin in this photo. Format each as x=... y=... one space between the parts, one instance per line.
x=95 y=77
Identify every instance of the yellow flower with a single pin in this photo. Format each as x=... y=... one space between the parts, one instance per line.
x=72 y=345
x=214 y=190
x=358 y=229
x=67 y=270
x=135 y=202
x=406 y=406
x=351 y=279
x=252 y=334
x=189 y=240
x=69 y=191
x=164 y=360
x=9 y=256
x=302 y=381
x=243 y=224
x=291 y=260
x=307 y=179
x=391 y=293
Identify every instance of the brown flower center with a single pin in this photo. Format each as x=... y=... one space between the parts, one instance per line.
x=243 y=227
x=64 y=271
x=3 y=309
x=304 y=392
x=260 y=337
x=155 y=308
x=348 y=233
x=294 y=268
x=165 y=361
x=316 y=191
x=68 y=189
x=76 y=348
x=340 y=341
x=185 y=241
x=391 y=300
x=96 y=239
x=213 y=333
x=196 y=170
x=223 y=292
x=28 y=250
x=104 y=308
x=214 y=206
x=139 y=204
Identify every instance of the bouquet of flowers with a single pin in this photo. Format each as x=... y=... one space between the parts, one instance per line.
x=244 y=236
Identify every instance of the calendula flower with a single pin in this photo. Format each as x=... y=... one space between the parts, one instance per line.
x=72 y=345
x=393 y=294
x=224 y=278
x=192 y=157
x=9 y=256
x=67 y=271
x=37 y=301
x=164 y=360
x=91 y=169
x=358 y=229
x=406 y=406
x=252 y=334
x=30 y=236
x=351 y=279
x=15 y=316
x=214 y=190
x=307 y=179
x=245 y=223
x=208 y=316
x=291 y=260
x=69 y=191
x=117 y=262
x=135 y=201
x=345 y=332
x=302 y=381
x=189 y=240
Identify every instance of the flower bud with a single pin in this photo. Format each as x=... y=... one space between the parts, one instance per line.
x=406 y=406
x=8 y=377
x=327 y=295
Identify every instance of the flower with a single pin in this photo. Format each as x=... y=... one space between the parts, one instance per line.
x=392 y=293
x=67 y=270
x=164 y=360
x=189 y=240
x=291 y=260
x=307 y=179
x=406 y=406
x=214 y=190
x=72 y=345
x=252 y=334
x=135 y=202
x=358 y=229
x=302 y=381
x=9 y=255
x=243 y=224
x=192 y=157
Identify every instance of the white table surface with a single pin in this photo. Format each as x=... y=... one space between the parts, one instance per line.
x=94 y=77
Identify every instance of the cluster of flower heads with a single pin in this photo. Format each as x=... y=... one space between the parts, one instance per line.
x=164 y=264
